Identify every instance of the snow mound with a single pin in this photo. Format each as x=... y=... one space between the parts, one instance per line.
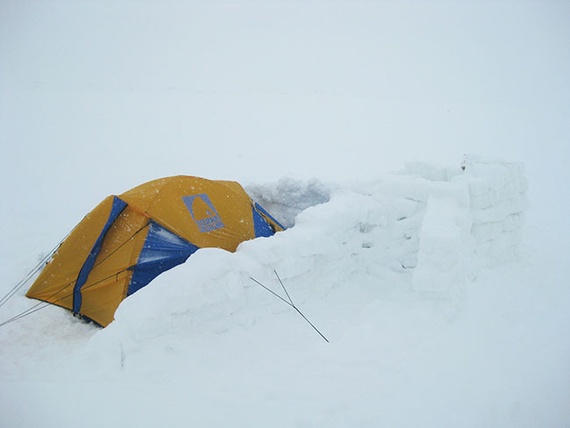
x=288 y=197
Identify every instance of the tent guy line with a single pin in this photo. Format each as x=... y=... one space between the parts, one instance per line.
x=41 y=305
x=29 y=276
x=289 y=302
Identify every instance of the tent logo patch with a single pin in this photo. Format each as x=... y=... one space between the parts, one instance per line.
x=203 y=212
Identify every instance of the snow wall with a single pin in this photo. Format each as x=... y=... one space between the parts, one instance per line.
x=472 y=217
x=441 y=223
x=425 y=231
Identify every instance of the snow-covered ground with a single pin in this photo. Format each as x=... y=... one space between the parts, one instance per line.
x=443 y=291
x=394 y=272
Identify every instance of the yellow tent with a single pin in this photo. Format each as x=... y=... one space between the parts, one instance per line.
x=128 y=240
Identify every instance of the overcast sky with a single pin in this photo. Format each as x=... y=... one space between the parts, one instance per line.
x=97 y=97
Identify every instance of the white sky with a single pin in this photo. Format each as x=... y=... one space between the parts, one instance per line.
x=96 y=97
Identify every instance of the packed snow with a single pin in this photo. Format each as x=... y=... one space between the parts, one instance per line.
x=416 y=151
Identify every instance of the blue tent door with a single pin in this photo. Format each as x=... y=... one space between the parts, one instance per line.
x=161 y=251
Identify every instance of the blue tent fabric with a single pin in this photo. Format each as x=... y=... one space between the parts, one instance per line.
x=161 y=251
x=116 y=210
x=260 y=225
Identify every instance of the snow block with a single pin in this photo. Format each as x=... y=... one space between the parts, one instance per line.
x=498 y=201
x=474 y=217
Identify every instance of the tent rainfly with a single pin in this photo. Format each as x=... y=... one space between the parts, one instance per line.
x=128 y=240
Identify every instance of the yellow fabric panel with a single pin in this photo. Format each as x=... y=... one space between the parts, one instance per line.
x=224 y=224
x=56 y=281
x=233 y=186
x=237 y=188
x=102 y=297
x=107 y=284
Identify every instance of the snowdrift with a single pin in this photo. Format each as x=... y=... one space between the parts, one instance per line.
x=395 y=272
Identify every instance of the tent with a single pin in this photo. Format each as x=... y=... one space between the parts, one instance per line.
x=128 y=240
